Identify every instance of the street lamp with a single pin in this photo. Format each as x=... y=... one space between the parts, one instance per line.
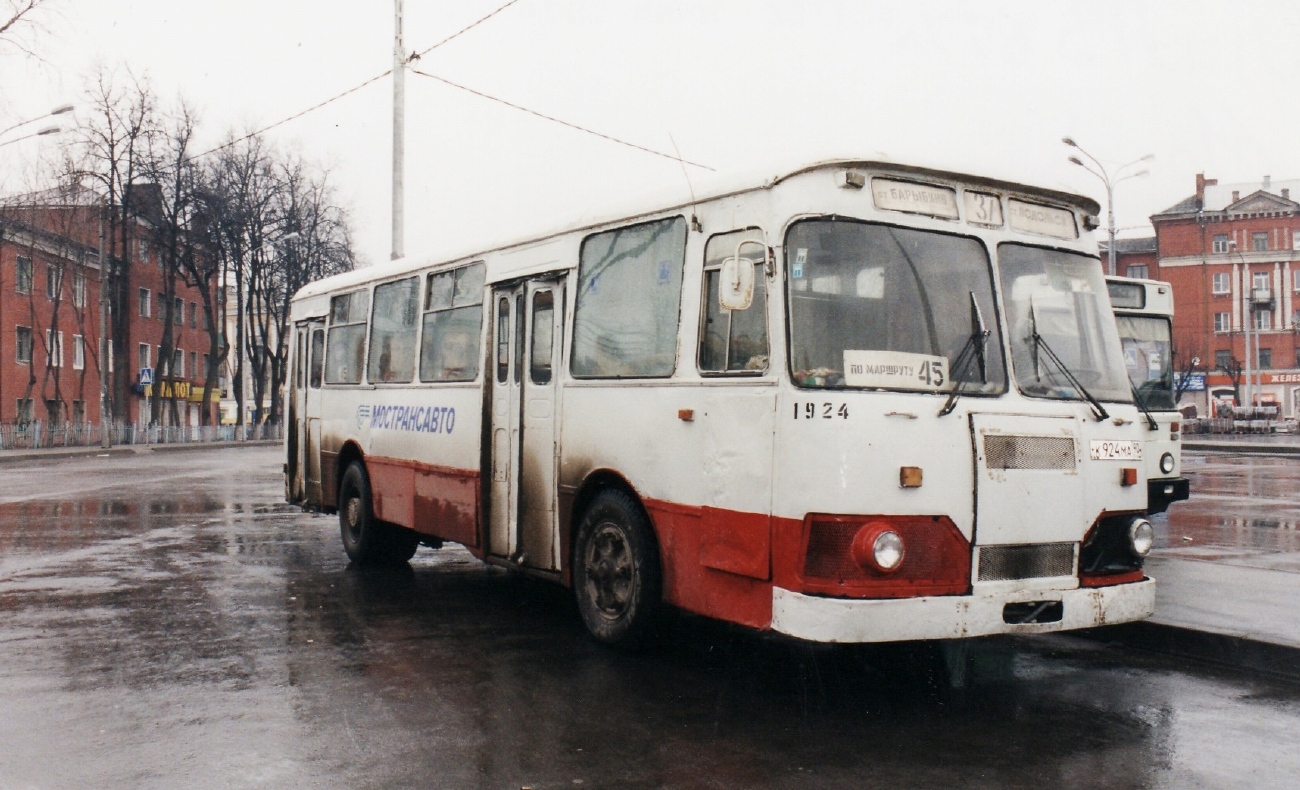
x=1247 y=318
x=1110 y=179
x=60 y=110
x=55 y=129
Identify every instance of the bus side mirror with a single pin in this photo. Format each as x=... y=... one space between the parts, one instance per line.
x=736 y=277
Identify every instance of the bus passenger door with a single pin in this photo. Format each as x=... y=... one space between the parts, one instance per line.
x=507 y=357
x=538 y=536
x=294 y=488
x=309 y=461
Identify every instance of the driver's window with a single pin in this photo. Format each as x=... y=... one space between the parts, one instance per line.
x=733 y=341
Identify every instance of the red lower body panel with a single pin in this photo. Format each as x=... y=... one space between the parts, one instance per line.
x=434 y=500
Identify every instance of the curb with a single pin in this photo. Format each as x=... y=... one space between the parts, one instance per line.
x=1243 y=448
x=1237 y=652
x=59 y=453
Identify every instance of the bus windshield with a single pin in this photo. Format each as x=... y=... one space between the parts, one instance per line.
x=875 y=306
x=1062 y=296
x=1147 y=345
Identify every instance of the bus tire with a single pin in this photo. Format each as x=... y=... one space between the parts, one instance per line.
x=366 y=539
x=616 y=573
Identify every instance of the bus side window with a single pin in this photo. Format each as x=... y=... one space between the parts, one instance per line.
x=392 y=332
x=347 y=337
x=628 y=305
x=317 y=357
x=732 y=341
x=453 y=324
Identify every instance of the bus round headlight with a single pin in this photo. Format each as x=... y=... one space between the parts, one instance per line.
x=1141 y=536
x=878 y=547
x=1167 y=463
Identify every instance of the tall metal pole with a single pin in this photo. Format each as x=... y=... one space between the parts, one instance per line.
x=1110 y=218
x=399 y=135
x=1247 y=321
x=105 y=418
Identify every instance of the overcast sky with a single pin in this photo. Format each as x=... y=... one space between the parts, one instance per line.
x=741 y=86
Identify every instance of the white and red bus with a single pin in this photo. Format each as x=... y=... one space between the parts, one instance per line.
x=856 y=402
x=1144 y=314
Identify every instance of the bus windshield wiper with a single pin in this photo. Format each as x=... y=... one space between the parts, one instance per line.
x=1040 y=343
x=1142 y=404
x=974 y=350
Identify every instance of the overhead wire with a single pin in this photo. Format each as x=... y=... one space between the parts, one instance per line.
x=553 y=119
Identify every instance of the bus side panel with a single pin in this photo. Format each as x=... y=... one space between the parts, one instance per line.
x=392 y=487
x=447 y=504
x=692 y=586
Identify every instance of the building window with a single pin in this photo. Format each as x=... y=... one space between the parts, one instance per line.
x=143 y=356
x=79 y=412
x=108 y=356
x=1265 y=358
x=1263 y=319
x=1297 y=357
x=78 y=289
x=1221 y=283
x=1259 y=282
x=53 y=279
x=24 y=411
x=1222 y=322
x=144 y=250
x=1222 y=360
x=194 y=363
x=24 y=345
x=178 y=311
x=178 y=364
x=78 y=352
x=1220 y=242
x=1259 y=241
x=145 y=312
x=1138 y=271
x=23 y=284
x=54 y=410
x=54 y=347
x=194 y=310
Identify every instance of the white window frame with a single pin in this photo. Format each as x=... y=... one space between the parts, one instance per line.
x=31 y=339
x=54 y=348
x=1223 y=322
x=1221 y=283
x=78 y=289
x=1220 y=243
x=144 y=356
x=146 y=311
x=1262 y=319
x=78 y=352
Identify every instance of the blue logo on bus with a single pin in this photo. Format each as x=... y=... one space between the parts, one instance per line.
x=421 y=419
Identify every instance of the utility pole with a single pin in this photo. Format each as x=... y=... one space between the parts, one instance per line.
x=105 y=355
x=399 y=135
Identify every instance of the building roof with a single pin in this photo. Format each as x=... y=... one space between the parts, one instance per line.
x=1144 y=244
x=1266 y=195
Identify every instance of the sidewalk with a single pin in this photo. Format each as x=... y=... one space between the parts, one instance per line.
x=1237 y=605
x=56 y=453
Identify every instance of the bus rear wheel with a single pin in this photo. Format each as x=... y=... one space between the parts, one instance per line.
x=616 y=576
x=366 y=539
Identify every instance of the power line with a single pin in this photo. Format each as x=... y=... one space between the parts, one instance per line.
x=466 y=29
x=355 y=88
x=561 y=122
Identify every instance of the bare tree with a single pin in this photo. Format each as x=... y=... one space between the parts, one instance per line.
x=113 y=151
x=18 y=17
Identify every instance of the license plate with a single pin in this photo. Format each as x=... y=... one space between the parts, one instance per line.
x=1113 y=450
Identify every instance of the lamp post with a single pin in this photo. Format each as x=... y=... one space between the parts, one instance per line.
x=1247 y=317
x=60 y=110
x=1110 y=179
x=55 y=129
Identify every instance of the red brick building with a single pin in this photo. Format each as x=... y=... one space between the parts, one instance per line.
x=50 y=322
x=1230 y=253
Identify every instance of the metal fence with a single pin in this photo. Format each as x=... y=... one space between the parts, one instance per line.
x=35 y=434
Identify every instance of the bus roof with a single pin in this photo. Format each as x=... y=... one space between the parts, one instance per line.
x=661 y=202
x=1156 y=297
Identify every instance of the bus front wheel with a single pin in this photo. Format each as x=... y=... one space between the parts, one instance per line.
x=366 y=539
x=616 y=577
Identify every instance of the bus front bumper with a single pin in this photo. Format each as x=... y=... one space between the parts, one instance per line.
x=956 y=616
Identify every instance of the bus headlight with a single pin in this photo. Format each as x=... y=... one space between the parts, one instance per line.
x=877 y=547
x=1167 y=463
x=1141 y=536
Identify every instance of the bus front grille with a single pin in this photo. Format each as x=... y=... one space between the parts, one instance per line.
x=1029 y=561
x=1028 y=452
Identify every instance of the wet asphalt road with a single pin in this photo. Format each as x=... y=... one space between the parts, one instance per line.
x=167 y=622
